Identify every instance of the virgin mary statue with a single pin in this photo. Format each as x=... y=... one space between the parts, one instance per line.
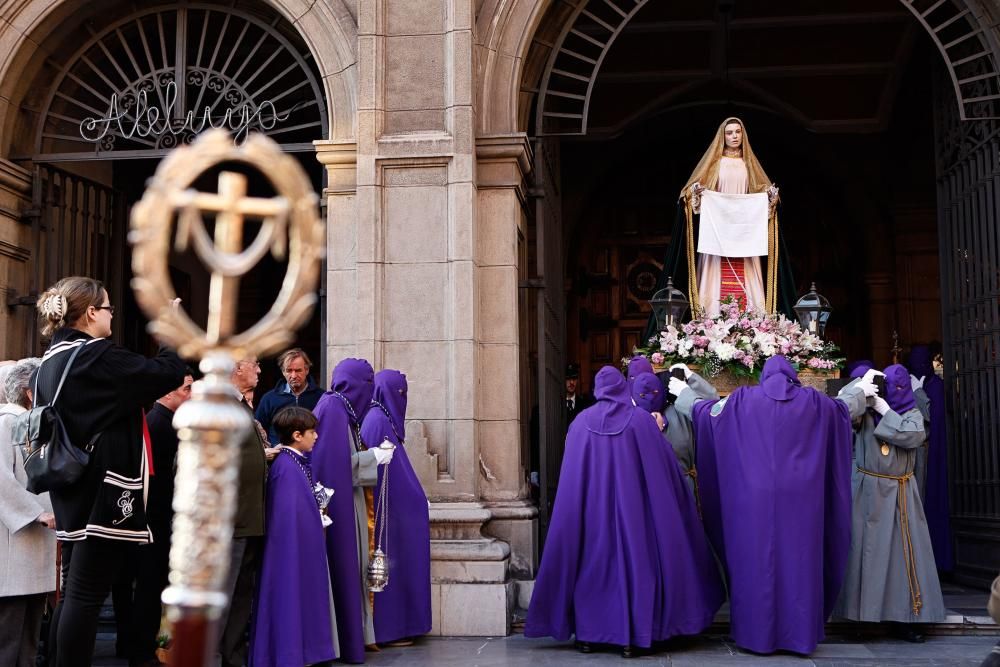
x=729 y=166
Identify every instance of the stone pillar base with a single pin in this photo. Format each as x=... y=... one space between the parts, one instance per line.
x=471 y=593
x=516 y=523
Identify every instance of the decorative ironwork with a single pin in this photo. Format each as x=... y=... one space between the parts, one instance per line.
x=155 y=79
x=971 y=55
x=968 y=165
x=961 y=34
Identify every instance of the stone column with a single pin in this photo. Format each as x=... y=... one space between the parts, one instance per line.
x=503 y=162
x=411 y=274
x=15 y=265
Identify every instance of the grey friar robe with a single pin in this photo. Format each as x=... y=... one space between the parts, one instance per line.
x=920 y=468
x=679 y=431
x=364 y=472
x=882 y=582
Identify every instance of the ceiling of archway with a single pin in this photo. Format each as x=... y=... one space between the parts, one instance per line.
x=832 y=67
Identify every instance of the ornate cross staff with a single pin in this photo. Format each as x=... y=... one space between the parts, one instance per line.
x=212 y=424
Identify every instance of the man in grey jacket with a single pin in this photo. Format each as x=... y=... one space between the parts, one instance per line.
x=27 y=535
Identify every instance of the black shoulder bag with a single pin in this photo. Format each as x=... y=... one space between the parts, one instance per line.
x=51 y=461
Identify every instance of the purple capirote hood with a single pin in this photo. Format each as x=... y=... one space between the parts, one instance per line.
x=921 y=364
x=647 y=392
x=778 y=379
x=614 y=409
x=390 y=391
x=637 y=365
x=857 y=369
x=898 y=392
x=354 y=379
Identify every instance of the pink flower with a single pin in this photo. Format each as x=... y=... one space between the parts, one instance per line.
x=657 y=359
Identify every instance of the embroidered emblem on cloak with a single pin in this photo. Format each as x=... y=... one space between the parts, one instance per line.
x=125 y=503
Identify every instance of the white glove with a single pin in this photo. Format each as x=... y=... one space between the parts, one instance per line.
x=871 y=375
x=382 y=456
x=917 y=383
x=676 y=386
x=881 y=406
x=687 y=371
x=868 y=387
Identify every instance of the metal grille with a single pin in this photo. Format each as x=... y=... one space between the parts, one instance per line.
x=960 y=30
x=968 y=161
x=199 y=59
x=78 y=229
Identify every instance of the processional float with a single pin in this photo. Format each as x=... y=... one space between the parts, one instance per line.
x=212 y=424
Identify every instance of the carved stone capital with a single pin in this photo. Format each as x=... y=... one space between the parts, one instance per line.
x=14 y=178
x=341 y=162
x=503 y=160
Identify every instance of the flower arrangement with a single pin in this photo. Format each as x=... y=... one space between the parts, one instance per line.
x=741 y=341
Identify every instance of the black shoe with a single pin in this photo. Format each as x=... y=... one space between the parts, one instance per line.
x=628 y=652
x=907 y=632
x=584 y=647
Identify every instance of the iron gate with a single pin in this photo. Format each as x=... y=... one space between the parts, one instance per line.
x=78 y=227
x=968 y=165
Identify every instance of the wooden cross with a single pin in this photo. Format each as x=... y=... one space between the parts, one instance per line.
x=230 y=205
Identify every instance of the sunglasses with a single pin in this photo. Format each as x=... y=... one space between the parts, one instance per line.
x=110 y=309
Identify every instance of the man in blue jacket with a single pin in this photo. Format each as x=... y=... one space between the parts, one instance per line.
x=297 y=388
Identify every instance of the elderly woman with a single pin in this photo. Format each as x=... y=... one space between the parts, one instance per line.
x=27 y=534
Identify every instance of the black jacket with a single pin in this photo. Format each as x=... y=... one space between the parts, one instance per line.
x=281 y=397
x=103 y=397
x=163 y=437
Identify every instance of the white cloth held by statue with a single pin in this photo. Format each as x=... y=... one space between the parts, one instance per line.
x=733 y=225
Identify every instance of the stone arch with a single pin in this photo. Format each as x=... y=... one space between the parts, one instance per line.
x=34 y=28
x=963 y=31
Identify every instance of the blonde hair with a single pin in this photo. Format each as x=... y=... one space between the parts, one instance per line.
x=707 y=171
x=67 y=301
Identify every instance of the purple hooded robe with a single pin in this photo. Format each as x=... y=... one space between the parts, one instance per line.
x=936 y=504
x=774 y=471
x=341 y=463
x=293 y=621
x=637 y=365
x=857 y=369
x=403 y=609
x=626 y=561
x=647 y=392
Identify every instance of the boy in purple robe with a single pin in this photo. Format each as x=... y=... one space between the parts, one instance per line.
x=403 y=609
x=342 y=462
x=293 y=621
x=626 y=561
x=774 y=475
